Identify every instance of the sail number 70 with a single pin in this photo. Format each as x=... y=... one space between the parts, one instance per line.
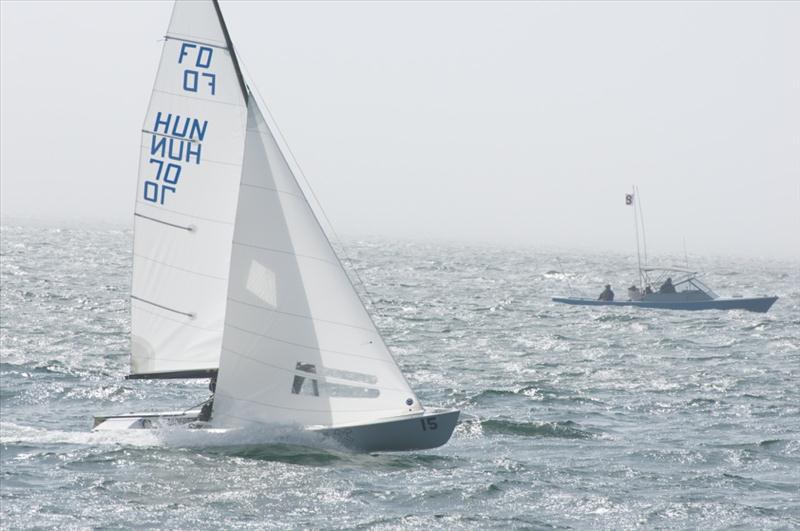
x=429 y=423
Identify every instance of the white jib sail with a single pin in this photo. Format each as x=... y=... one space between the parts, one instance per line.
x=189 y=172
x=299 y=346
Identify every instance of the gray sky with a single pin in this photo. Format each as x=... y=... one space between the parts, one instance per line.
x=500 y=122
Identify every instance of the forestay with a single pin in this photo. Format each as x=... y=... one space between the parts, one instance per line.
x=189 y=172
x=299 y=346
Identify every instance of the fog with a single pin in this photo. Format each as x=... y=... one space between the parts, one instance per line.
x=522 y=123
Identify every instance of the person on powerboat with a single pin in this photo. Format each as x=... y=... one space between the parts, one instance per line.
x=634 y=293
x=667 y=286
x=607 y=294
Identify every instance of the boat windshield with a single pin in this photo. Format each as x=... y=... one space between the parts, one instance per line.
x=682 y=279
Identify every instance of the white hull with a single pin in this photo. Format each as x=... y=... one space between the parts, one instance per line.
x=428 y=429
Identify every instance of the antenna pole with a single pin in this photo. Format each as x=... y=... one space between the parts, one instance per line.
x=641 y=220
x=565 y=275
x=636 y=231
x=685 y=254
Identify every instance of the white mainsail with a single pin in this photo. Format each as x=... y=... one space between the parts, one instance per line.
x=189 y=172
x=299 y=346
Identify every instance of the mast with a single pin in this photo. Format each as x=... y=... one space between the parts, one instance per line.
x=235 y=60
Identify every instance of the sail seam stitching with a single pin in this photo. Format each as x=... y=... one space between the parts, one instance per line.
x=272 y=189
x=165 y=264
x=207 y=100
x=185 y=214
x=307 y=346
x=300 y=315
x=229 y=414
x=268 y=249
x=168 y=37
x=184 y=323
x=182 y=138
x=321 y=377
x=146 y=147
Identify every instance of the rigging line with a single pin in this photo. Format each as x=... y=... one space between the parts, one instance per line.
x=339 y=241
x=194 y=406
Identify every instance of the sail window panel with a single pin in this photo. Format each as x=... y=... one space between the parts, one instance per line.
x=296 y=330
x=197 y=250
x=198 y=70
x=301 y=236
x=261 y=283
x=196 y=19
x=305 y=286
x=162 y=342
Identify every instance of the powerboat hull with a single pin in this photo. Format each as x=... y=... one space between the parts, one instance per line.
x=753 y=304
x=430 y=429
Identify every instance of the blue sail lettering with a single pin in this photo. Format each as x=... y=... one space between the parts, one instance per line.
x=160 y=122
x=195 y=154
x=197 y=130
x=212 y=82
x=199 y=62
x=190 y=80
x=184 y=53
x=173 y=153
x=175 y=126
x=175 y=141
x=172 y=174
x=158 y=145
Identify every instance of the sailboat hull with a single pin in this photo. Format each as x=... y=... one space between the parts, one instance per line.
x=755 y=304
x=431 y=429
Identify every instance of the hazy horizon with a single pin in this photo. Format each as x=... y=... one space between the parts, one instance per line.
x=513 y=123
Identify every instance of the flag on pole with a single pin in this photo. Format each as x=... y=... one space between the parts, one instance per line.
x=628 y=199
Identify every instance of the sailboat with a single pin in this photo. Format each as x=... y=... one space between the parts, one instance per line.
x=657 y=289
x=234 y=279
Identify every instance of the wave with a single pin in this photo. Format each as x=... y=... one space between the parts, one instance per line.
x=562 y=430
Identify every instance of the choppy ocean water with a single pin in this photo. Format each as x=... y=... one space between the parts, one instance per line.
x=572 y=417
